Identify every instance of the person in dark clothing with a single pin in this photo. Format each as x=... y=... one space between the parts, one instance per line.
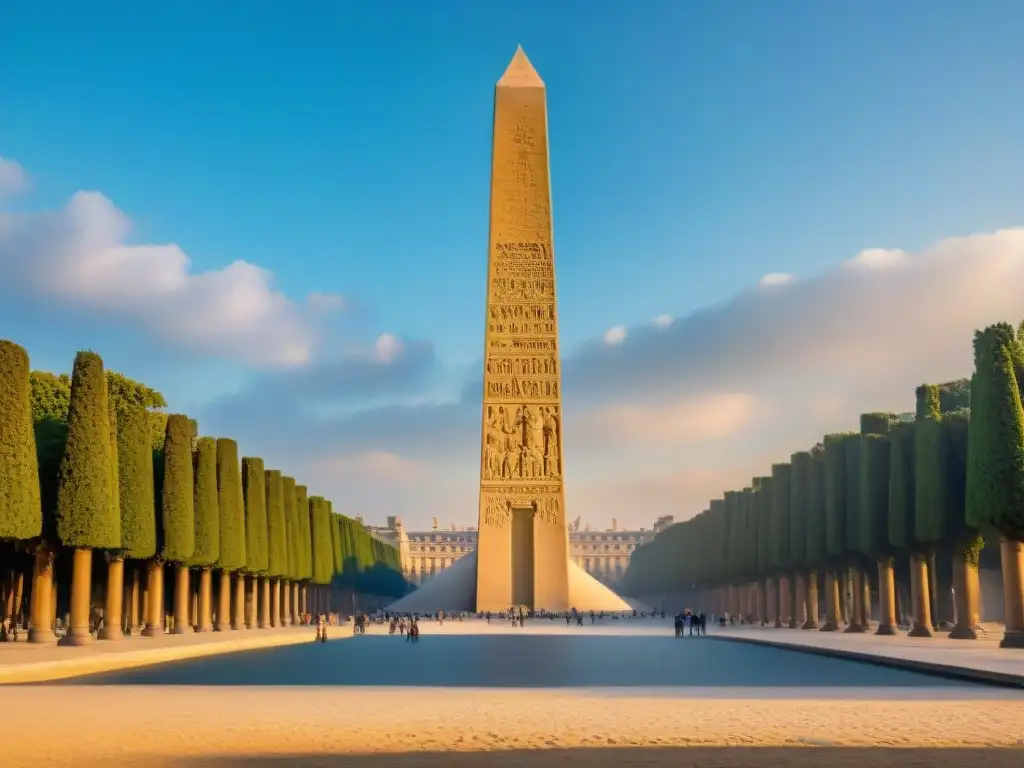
x=678 y=625
x=702 y=624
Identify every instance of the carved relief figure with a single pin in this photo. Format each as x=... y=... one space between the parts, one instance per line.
x=533 y=443
x=552 y=437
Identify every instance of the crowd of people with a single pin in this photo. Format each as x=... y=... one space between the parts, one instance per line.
x=690 y=623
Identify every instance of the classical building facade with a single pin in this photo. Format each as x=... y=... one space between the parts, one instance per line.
x=603 y=554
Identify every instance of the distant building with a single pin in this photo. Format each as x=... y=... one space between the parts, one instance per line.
x=603 y=554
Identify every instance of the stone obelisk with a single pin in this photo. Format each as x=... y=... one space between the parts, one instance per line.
x=522 y=549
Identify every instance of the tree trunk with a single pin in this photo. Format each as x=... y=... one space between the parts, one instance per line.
x=182 y=598
x=81 y=593
x=154 y=599
x=967 y=594
x=886 y=598
x=275 y=602
x=134 y=595
x=795 y=601
x=238 y=612
x=1012 y=553
x=919 y=588
x=113 y=606
x=286 y=604
x=223 y=603
x=41 y=629
x=253 y=603
x=857 y=611
x=865 y=605
x=833 y=610
x=295 y=604
x=205 y=621
x=811 y=595
x=264 y=615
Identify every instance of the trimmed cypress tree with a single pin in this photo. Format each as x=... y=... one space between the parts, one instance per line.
x=206 y=505
x=21 y=511
x=764 y=513
x=781 y=490
x=135 y=482
x=231 y=505
x=320 y=528
x=799 y=513
x=86 y=518
x=277 y=533
x=995 y=489
x=255 y=494
x=902 y=493
x=177 y=496
x=305 y=547
x=873 y=512
x=836 y=495
x=815 y=548
x=291 y=524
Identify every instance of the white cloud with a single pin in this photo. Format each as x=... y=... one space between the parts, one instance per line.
x=325 y=302
x=387 y=347
x=693 y=420
x=615 y=335
x=663 y=321
x=79 y=255
x=878 y=258
x=13 y=178
x=775 y=278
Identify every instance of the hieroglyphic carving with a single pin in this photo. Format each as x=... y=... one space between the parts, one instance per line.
x=522 y=442
x=505 y=345
x=522 y=366
x=546 y=328
x=504 y=313
x=506 y=289
x=543 y=500
x=521 y=389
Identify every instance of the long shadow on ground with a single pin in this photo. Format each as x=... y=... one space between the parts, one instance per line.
x=526 y=661
x=676 y=757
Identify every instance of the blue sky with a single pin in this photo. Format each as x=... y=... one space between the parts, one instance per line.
x=695 y=147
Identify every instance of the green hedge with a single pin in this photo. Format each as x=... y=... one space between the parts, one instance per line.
x=257 y=552
x=852 y=450
x=85 y=514
x=231 y=504
x=205 y=504
x=177 y=492
x=277 y=532
x=873 y=515
x=21 y=510
x=995 y=484
x=836 y=494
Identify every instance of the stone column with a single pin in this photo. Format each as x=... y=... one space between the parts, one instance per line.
x=811 y=595
x=304 y=599
x=264 y=615
x=919 y=594
x=223 y=623
x=779 y=593
x=41 y=630
x=967 y=593
x=205 y=622
x=1012 y=554
x=886 y=598
x=832 y=601
x=113 y=606
x=296 y=608
x=81 y=594
x=238 y=609
x=182 y=597
x=54 y=604
x=858 y=601
x=286 y=604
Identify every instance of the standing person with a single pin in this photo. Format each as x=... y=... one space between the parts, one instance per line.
x=678 y=621
x=702 y=626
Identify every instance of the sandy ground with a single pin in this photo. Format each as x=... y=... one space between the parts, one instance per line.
x=193 y=726
x=376 y=727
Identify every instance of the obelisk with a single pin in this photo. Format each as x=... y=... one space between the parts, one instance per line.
x=522 y=548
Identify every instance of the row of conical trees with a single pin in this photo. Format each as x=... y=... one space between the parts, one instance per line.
x=101 y=493
x=858 y=505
